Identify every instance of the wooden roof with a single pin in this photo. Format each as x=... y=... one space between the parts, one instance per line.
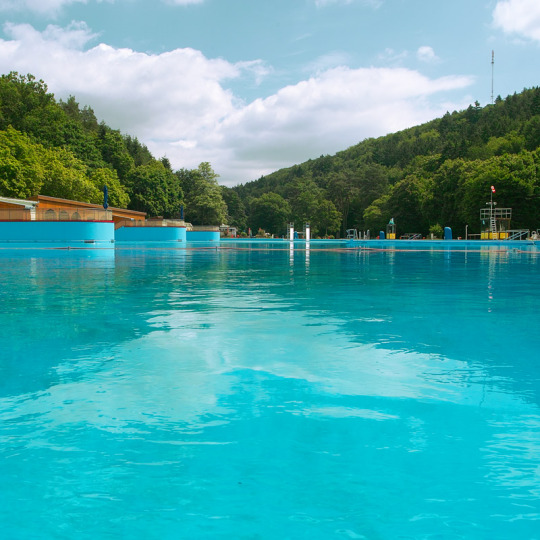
x=54 y=202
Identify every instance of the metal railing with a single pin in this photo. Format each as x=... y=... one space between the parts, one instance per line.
x=55 y=214
x=411 y=236
x=518 y=234
x=497 y=213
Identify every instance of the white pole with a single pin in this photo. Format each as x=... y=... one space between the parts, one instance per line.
x=491 y=213
x=308 y=232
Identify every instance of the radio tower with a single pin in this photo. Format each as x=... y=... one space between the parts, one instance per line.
x=492 y=67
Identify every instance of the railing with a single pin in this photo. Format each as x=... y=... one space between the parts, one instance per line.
x=411 y=236
x=19 y=214
x=497 y=213
x=203 y=228
x=150 y=223
x=55 y=214
x=518 y=234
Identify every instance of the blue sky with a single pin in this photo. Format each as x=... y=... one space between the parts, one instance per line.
x=256 y=85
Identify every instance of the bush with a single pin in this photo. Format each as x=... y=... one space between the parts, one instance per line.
x=436 y=230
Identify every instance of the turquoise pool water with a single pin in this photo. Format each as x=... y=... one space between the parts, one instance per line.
x=262 y=393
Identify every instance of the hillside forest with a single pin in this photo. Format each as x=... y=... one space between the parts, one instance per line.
x=426 y=177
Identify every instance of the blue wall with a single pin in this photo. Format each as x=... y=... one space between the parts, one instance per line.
x=203 y=236
x=72 y=233
x=150 y=234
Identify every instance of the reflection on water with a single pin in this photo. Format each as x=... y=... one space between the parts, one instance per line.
x=251 y=392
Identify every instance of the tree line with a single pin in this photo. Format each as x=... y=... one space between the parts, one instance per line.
x=59 y=149
x=426 y=177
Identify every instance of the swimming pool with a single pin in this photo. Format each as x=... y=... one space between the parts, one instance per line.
x=269 y=393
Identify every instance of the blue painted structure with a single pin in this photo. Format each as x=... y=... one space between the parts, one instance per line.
x=441 y=244
x=203 y=236
x=87 y=234
x=447 y=233
x=150 y=234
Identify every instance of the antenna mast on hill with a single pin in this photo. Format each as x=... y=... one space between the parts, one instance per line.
x=492 y=67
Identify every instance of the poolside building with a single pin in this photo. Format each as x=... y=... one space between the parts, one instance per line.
x=51 y=220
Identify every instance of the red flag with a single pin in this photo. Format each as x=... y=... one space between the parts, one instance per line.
x=493 y=189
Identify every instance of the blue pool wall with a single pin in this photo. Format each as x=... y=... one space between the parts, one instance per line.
x=65 y=233
x=151 y=234
x=203 y=236
x=441 y=244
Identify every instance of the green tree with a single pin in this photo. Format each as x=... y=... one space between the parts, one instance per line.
x=341 y=191
x=114 y=151
x=65 y=177
x=406 y=203
x=155 y=190
x=21 y=168
x=327 y=219
x=236 y=210
x=531 y=133
x=203 y=195
x=269 y=212
x=377 y=215
x=139 y=152
x=20 y=97
x=117 y=196
x=515 y=179
x=304 y=197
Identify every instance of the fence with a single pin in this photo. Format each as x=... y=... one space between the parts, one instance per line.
x=55 y=214
x=150 y=223
x=203 y=228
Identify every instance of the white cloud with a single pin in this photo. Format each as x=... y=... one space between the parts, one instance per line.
x=178 y=104
x=49 y=7
x=53 y=7
x=330 y=112
x=183 y=2
x=327 y=61
x=371 y=3
x=426 y=54
x=520 y=17
x=389 y=56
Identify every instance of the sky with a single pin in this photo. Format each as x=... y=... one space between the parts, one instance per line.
x=252 y=86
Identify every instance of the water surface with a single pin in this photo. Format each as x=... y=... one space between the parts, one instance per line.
x=269 y=393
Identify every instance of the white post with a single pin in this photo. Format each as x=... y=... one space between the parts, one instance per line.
x=308 y=232
x=291 y=231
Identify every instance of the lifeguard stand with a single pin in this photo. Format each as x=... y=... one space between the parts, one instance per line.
x=391 y=230
x=495 y=222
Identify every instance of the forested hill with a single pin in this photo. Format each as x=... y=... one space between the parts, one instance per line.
x=60 y=149
x=427 y=177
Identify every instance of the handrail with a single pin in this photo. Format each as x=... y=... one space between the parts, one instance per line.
x=518 y=234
